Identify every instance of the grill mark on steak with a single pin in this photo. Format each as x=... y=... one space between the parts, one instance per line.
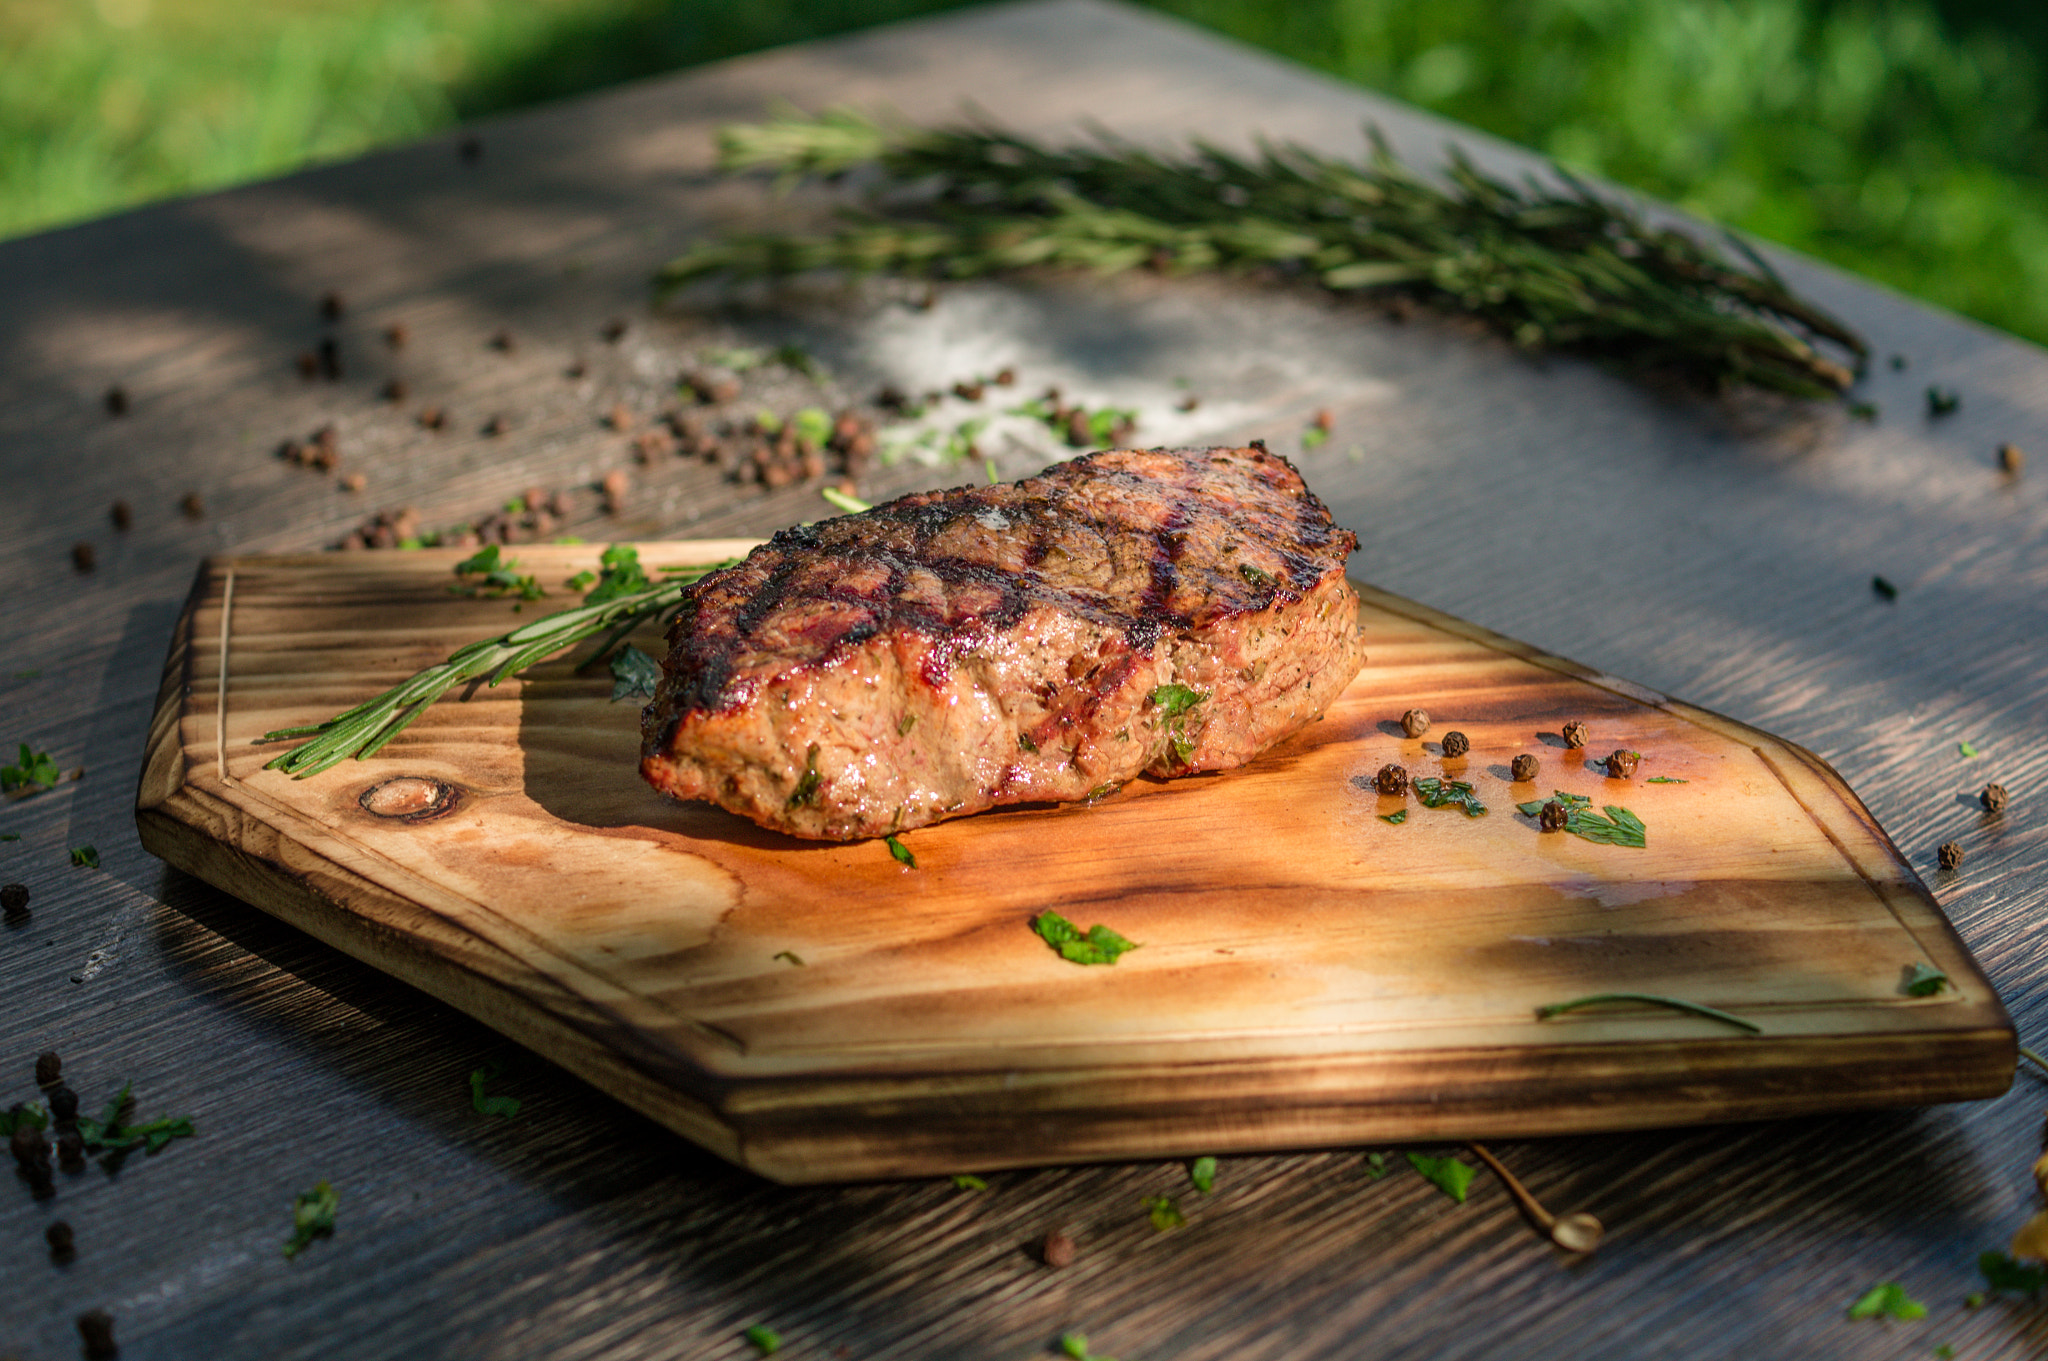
x=1024 y=625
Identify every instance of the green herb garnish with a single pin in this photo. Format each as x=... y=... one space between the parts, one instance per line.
x=1449 y=1174
x=1665 y=779
x=32 y=1115
x=967 y=1181
x=504 y=1107
x=1376 y=1166
x=1175 y=702
x=813 y=426
x=1164 y=1213
x=623 y=599
x=312 y=1217
x=1619 y=828
x=110 y=1133
x=1396 y=818
x=807 y=784
x=1256 y=576
x=900 y=852
x=1075 y=1347
x=1202 y=1174
x=1923 y=980
x=30 y=768
x=1651 y=999
x=633 y=673
x=1024 y=743
x=1545 y=266
x=1100 y=946
x=485 y=574
x=1431 y=792
x=1887 y=1299
x=852 y=505
x=2002 y=1272
x=1969 y=752
x=1314 y=437
x=86 y=857
x=765 y=1340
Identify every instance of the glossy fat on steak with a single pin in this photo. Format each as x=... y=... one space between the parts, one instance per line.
x=1132 y=612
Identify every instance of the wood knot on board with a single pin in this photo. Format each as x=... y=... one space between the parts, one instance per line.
x=410 y=798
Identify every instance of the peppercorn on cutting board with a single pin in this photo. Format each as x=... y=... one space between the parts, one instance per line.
x=1308 y=973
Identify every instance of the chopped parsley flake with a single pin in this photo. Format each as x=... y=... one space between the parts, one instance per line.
x=2002 y=1272
x=1202 y=1174
x=31 y=768
x=1449 y=1174
x=1431 y=792
x=488 y=573
x=967 y=1181
x=812 y=425
x=900 y=852
x=1164 y=1213
x=764 y=1339
x=1100 y=946
x=1888 y=1299
x=1923 y=980
x=504 y=1107
x=1376 y=1166
x=312 y=1217
x=86 y=857
x=1175 y=702
x=806 y=790
x=1665 y=779
x=1255 y=576
x=1968 y=752
x=621 y=575
x=1024 y=743
x=633 y=673
x=110 y=1133
x=1619 y=828
x=581 y=580
x=32 y=1115
x=1314 y=437
x=1396 y=818
x=1075 y=1346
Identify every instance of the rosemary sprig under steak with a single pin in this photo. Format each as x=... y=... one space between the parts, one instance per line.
x=1549 y=267
x=623 y=599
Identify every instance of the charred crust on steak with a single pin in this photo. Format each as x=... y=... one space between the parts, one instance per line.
x=1128 y=558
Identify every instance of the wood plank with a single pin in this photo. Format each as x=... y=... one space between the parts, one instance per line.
x=1308 y=973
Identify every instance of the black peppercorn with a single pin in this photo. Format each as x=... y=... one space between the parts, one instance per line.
x=1621 y=764
x=191 y=506
x=1575 y=734
x=1552 y=817
x=63 y=1104
x=1415 y=722
x=1523 y=767
x=96 y=1331
x=14 y=900
x=1993 y=797
x=117 y=401
x=1884 y=589
x=58 y=1236
x=28 y=1145
x=1456 y=744
x=330 y=359
x=121 y=515
x=83 y=559
x=330 y=307
x=1950 y=856
x=1392 y=779
x=1943 y=401
x=49 y=1068
x=71 y=1150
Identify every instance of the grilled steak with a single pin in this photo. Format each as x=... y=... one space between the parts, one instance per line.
x=1161 y=612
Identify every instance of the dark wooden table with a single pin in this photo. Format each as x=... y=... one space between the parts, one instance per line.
x=1718 y=551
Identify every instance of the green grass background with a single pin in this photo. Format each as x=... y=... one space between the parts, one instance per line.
x=1904 y=139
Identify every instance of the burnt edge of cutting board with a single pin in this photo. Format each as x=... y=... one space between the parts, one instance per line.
x=885 y=1122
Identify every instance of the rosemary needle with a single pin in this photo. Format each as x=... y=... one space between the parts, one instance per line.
x=1654 y=999
x=360 y=732
x=1548 y=266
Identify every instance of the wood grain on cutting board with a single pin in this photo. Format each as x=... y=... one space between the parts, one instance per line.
x=1308 y=974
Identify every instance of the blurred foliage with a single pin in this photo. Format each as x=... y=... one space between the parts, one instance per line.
x=1902 y=139
x=1873 y=133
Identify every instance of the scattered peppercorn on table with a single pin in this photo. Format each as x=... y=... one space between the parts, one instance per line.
x=454 y=342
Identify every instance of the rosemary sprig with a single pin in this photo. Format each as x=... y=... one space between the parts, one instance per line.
x=623 y=599
x=1548 y=266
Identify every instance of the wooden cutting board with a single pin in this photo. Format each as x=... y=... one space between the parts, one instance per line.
x=1308 y=973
